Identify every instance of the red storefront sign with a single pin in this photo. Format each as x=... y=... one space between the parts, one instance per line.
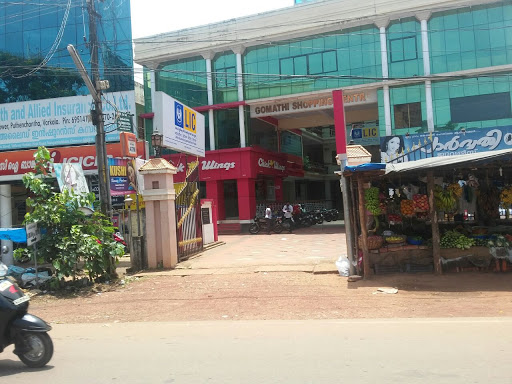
x=20 y=162
x=239 y=163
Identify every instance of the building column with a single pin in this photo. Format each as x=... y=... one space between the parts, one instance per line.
x=246 y=199
x=423 y=18
x=6 y=221
x=209 y=86
x=215 y=191
x=382 y=25
x=278 y=188
x=328 y=195
x=240 y=83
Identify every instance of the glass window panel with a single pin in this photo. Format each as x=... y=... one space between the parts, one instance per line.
x=483 y=59
x=315 y=63
x=396 y=50
x=467 y=40
x=480 y=16
x=300 y=65
x=14 y=43
x=273 y=52
x=407 y=115
x=499 y=57
x=465 y=19
x=284 y=50
x=410 y=50
x=286 y=66
x=482 y=39
x=32 y=44
x=452 y=41
x=507 y=11
x=495 y=14
x=356 y=59
x=497 y=35
x=451 y=22
x=468 y=60
x=13 y=15
x=481 y=107
x=453 y=62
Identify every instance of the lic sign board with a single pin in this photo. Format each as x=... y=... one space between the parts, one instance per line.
x=181 y=126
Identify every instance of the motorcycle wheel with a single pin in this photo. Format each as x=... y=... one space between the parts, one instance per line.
x=254 y=228
x=286 y=226
x=278 y=228
x=40 y=349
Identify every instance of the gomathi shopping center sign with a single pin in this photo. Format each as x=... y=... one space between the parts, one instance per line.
x=281 y=107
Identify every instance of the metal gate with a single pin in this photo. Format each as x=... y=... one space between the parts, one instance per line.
x=189 y=229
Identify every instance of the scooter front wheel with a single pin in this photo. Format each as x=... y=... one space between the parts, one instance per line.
x=36 y=349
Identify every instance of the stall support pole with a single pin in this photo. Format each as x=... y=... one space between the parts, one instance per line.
x=348 y=227
x=364 y=230
x=436 y=247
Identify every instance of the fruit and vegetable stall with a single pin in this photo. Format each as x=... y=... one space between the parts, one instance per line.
x=432 y=215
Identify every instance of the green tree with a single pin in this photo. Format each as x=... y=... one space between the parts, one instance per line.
x=70 y=237
x=46 y=83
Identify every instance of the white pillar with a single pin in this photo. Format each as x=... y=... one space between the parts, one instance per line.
x=239 y=76
x=382 y=24
x=429 y=106
x=152 y=82
x=6 y=221
x=384 y=52
x=387 y=110
x=209 y=86
x=423 y=18
x=425 y=48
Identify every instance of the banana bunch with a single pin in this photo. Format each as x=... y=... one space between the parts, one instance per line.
x=445 y=199
x=456 y=189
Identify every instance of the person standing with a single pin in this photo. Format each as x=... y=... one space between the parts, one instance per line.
x=268 y=219
x=288 y=209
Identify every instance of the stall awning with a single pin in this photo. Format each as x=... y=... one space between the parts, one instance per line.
x=17 y=235
x=443 y=161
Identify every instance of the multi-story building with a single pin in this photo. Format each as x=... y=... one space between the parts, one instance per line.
x=437 y=68
x=44 y=100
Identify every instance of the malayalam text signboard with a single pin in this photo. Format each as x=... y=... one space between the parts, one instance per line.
x=181 y=126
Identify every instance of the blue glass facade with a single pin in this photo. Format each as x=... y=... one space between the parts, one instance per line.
x=29 y=30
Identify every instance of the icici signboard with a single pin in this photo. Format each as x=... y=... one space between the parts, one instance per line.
x=20 y=162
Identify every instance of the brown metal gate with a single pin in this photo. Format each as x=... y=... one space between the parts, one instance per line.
x=188 y=214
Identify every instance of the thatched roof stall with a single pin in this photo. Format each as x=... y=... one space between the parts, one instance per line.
x=492 y=168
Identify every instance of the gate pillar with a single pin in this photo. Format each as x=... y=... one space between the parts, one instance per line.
x=159 y=196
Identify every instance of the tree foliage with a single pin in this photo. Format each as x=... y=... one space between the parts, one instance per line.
x=71 y=238
x=47 y=83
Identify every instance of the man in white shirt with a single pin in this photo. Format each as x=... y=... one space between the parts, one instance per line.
x=288 y=209
x=268 y=219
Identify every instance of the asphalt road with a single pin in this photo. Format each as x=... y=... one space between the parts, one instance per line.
x=358 y=351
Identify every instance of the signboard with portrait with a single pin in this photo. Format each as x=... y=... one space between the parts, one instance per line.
x=447 y=143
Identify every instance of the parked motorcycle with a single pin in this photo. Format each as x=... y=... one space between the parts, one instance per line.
x=260 y=224
x=120 y=240
x=28 y=333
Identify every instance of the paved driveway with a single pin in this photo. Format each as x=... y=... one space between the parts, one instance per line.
x=314 y=248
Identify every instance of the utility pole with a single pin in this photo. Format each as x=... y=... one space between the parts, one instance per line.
x=95 y=87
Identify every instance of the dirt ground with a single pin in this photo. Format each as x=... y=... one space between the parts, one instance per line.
x=289 y=295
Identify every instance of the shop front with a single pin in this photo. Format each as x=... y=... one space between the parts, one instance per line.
x=236 y=179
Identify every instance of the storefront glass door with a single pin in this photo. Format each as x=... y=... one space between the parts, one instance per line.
x=231 y=199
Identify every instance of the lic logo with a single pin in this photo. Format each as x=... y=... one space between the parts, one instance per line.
x=178 y=114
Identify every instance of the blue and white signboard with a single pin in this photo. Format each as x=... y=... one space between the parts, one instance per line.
x=59 y=121
x=181 y=126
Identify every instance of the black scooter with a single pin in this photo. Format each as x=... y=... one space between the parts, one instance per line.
x=28 y=333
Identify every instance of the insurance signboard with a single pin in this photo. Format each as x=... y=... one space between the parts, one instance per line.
x=181 y=126
x=60 y=121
